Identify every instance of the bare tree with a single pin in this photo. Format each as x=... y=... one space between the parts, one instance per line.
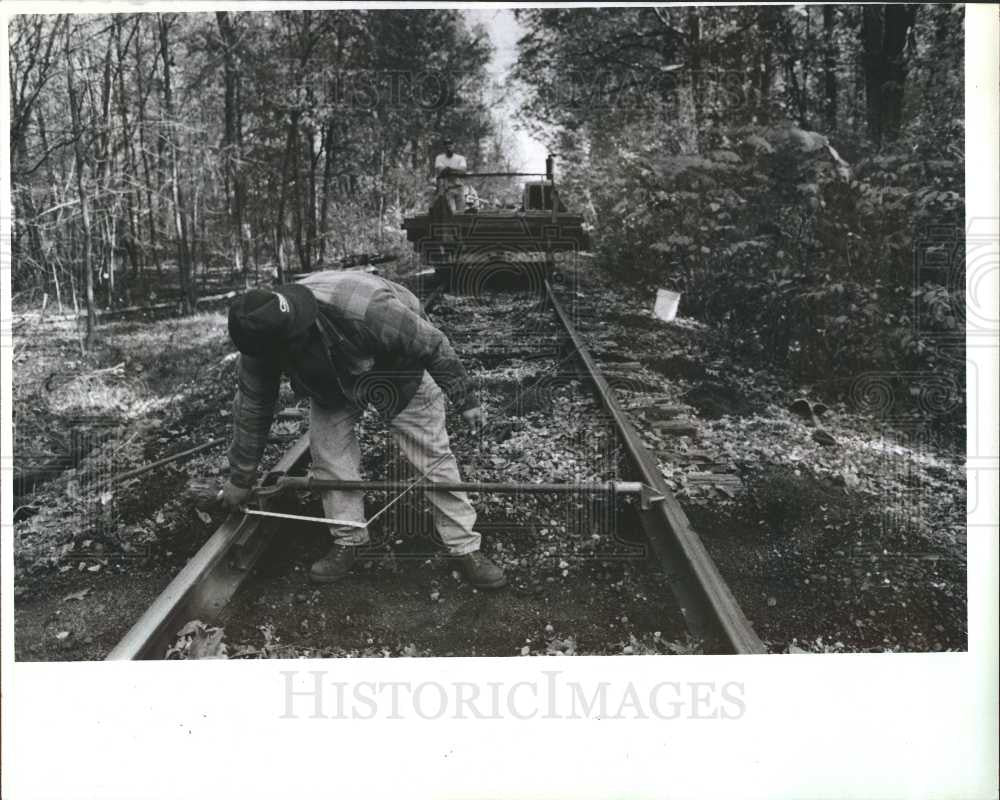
x=81 y=187
x=169 y=138
x=232 y=140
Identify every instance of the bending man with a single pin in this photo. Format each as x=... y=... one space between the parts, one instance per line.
x=348 y=339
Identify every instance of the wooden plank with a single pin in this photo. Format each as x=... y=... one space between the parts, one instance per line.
x=685 y=456
x=656 y=412
x=675 y=427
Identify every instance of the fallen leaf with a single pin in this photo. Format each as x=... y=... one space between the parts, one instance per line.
x=203 y=516
x=208 y=643
x=196 y=640
x=76 y=595
x=190 y=628
x=851 y=479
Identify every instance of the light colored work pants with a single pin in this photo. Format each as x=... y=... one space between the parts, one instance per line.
x=419 y=430
x=456 y=199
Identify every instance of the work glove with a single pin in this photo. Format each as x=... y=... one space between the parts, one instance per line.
x=233 y=497
x=474 y=418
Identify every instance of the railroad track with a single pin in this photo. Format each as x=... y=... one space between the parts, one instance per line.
x=710 y=613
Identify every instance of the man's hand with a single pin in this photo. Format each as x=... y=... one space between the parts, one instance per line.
x=474 y=418
x=233 y=496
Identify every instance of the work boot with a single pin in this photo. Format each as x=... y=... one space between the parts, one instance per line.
x=480 y=571
x=334 y=565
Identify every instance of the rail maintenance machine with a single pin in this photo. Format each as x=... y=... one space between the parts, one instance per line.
x=490 y=239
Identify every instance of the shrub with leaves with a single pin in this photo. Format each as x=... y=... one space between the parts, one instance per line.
x=810 y=264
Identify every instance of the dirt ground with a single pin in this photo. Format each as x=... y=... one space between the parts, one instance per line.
x=852 y=541
x=857 y=545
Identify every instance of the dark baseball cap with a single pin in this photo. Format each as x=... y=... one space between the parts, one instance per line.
x=262 y=320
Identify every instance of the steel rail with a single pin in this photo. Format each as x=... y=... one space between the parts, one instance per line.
x=710 y=610
x=133 y=473
x=208 y=581
x=500 y=175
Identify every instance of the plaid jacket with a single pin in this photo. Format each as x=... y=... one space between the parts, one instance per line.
x=373 y=346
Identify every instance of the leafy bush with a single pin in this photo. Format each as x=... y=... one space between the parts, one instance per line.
x=812 y=266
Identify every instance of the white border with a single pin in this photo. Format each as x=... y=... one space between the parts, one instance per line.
x=866 y=726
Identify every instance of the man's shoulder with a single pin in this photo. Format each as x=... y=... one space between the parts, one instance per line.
x=345 y=291
x=352 y=293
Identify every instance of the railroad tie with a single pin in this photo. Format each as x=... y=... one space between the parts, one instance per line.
x=675 y=427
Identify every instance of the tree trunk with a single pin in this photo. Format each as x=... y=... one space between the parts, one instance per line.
x=305 y=38
x=765 y=67
x=81 y=189
x=381 y=193
x=57 y=199
x=829 y=67
x=203 y=239
x=187 y=286
x=105 y=200
x=312 y=155
x=298 y=201
x=55 y=282
x=25 y=213
x=694 y=62
x=287 y=163
x=148 y=173
x=233 y=139
x=195 y=244
x=328 y=159
x=129 y=151
x=806 y=49
x=874 y=68
x=884 y=31
x=898 y=21
x=111 y=226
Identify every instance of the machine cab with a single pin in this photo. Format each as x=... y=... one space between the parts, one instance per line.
x=538 y=196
